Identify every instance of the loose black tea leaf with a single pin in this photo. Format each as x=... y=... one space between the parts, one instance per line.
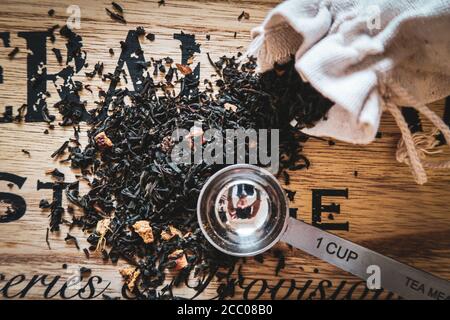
x=70 y=209
x=150 y=36
x=161 y=3
x=105 y=255
x=85 y=271
x=20 y=113
x=219 y=73
x=115 y=16
x=60 y=150
x=55 y=173
x=26 y=152
x=127 y=162
x=44 y=204
x=117 y=7
x=71 y=239
x=244 y=15
x=168 y=60
x=88 y=88
x=169 y=75
x=51 y=12
x=58 y=55
x=98 y=70
x=47 y=239
x=51 y=32
x=290 y=194
x=140 y=31
x=13 y=53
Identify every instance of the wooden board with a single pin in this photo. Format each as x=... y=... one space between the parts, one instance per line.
x=385 y=209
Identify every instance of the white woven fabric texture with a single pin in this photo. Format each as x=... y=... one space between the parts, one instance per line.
x=346 y=48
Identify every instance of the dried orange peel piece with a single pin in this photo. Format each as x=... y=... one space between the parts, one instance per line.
x=180 y=259
x=130 y=275
x=170 y=233
x=102 y=140
x=184 y=69
x=144 y=230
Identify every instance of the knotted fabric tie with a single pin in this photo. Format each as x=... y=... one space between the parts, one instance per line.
x=412 y=149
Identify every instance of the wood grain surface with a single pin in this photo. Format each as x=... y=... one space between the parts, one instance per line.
x=386 y=210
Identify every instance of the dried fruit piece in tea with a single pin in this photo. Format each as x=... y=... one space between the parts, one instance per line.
x=184 y=69
x=170 y=232
x=103 y=141
x=179 y=257
x=144 y=230
x=130 y=275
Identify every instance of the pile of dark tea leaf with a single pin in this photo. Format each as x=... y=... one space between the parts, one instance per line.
x=141 y=206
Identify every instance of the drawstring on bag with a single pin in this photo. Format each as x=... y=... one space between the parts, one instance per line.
x=412 y=149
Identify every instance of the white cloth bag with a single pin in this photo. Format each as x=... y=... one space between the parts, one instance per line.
x=365 y=56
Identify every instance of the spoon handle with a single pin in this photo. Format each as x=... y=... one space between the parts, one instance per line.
x=408 y=282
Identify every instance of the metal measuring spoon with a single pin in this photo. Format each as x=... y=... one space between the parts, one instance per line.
x=243 y=211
